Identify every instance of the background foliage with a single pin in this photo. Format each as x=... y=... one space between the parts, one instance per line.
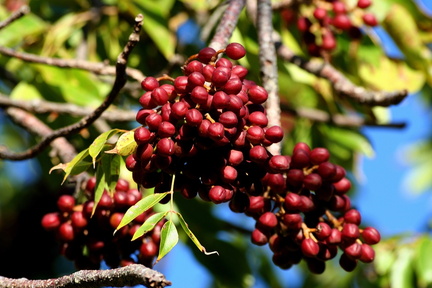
x=96 y=31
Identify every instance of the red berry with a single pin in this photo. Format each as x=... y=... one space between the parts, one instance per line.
x=51 y=221
x=309 y=247
x=66 y=203
x=235 y=51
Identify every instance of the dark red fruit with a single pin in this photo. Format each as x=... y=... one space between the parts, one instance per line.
x=165 y=147
x=371 y=236
x=206 y=54
x=319 y=155
x=235 y=51
x=363 y=4
x=367 y=254
x=309 y=247
x=268 y=220
x=352 y=216
x=149 y=83
x=369 y=19
x=66 y=203
x=350 y=231
x=78 y=220
x=257 y=94
x=258 y=237
x=217 y=194
x=274 y=134
x=66 y=232
x=51 y=221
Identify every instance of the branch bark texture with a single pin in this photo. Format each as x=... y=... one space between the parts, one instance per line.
x=130 y=275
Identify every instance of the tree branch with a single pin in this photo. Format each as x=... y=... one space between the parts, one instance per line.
x=97 y=68
x=119 y=82
x=61 y=146
x=338 y=119
x=130 y=275
x=340 y=83
x=227 y=24
x=40 y=106
x=268 y=66
x=23 y=10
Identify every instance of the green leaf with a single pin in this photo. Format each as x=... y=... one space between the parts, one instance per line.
x=407 y=37
x=25 y=91
x=111 y=169
x=98 y=144
x=401 y=274
x=169 y=238
x=100 y=186
x=76 y=166
x=14 y=33
x=157 y=28
x=192 y=236
x=141 y=206
x=125 y=145
x=423 y=261
x=149 y=224
x=350 y=139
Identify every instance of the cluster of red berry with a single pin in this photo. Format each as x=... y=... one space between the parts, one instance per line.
x=87 y=239
x=208 y=128
x=318 y=28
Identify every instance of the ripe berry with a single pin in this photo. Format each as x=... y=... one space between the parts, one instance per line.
x=371 y=236
x=51 y=221
x=217 y=194
x=363 y=4
x=149 y=83
x=350 y=231
x=206 y=54
x=309 y=247
x=66 y=232
x=342 y=21
x=66 y=203
x=274 y=134
x=235 y=51
x=268 y=220
x=78 y=220
x=367 y=253
x=370 y=20
x=165 y=147
x=352 y=216
x=257 y=94
x=258 y=237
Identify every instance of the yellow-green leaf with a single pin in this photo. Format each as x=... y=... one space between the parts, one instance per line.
x=149 y=224
x=141 y=206
x=169 y=238
x=98 y=144
x=192 y=236
x=76 y=166
x=125 y=145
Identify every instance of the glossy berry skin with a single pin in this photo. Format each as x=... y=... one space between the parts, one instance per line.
x=235 y=51
x=66 y=203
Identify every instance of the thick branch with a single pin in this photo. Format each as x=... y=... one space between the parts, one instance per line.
x=340 y=83
x=42 y=106
x=61 y=146
x=119 y=82
x=227 y=24
x=268 y=66
x=131 y=275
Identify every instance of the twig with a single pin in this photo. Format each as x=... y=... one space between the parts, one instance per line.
x=227 y=24
x=42 y=106
x=340 y=83
x=97 y=68
x=119 y=82
x=23 y=10
x=130 y=275
x=338 y=119
x=268 y=66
